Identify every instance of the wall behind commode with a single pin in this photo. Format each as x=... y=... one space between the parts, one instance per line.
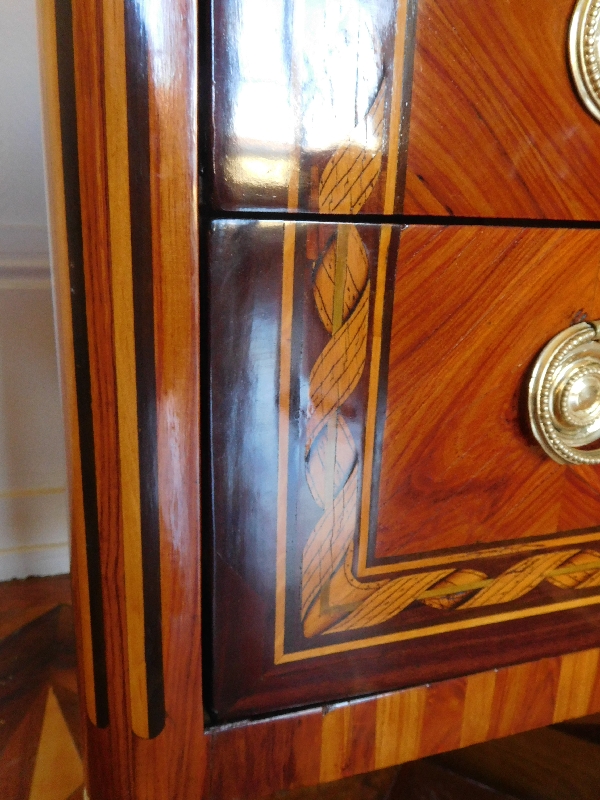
x=33 y=501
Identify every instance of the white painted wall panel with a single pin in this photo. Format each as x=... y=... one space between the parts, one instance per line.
x=31 y=437
x=33 y=502
x=21 y=161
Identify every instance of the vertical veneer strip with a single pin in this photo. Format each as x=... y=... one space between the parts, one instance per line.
x=87 y=552
x=477 y=714
x=524 y=697
x=394 y=728
x=576 y=681
x=134 y=311
x=399 y=727
x=115 y=94
x=93 y=184
x=335 y=734
x=55 y=134
x=143 y=239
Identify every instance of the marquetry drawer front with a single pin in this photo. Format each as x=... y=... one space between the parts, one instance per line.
x=435 y=107
x=382 y=514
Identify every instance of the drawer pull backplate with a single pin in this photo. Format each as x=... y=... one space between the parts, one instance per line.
x=564 y=395
x=584 y=53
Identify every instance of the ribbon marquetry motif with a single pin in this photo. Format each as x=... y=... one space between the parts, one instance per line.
x=334 y=600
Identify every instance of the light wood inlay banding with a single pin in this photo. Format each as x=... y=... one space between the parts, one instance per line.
x=91 y=136
x=145 y=230
x=398 y=728
x=335 y=742
x=47 y=33
x=122 y=297
x=401 y=726
x=400 y=46
x=576 y=682
x=140 y=315
x=477 y=716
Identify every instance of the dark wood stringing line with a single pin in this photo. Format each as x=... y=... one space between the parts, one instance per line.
x=70 y=161
x=205 y=103
x=407 y=85
x=293 y=638
x=382 y=389
x=138 y=124
x=404 y=220
x=207 y=504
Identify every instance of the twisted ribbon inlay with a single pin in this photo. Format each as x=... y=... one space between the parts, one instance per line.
x=341 y=290
x=333 y=599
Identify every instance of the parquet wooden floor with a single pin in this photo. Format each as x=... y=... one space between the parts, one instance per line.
x=40 y=743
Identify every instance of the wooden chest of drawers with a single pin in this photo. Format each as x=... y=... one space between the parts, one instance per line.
x=395 y=213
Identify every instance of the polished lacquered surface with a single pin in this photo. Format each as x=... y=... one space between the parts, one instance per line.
x=382 y=514
x=301 y=85
x=120 y=94
x=322 y=347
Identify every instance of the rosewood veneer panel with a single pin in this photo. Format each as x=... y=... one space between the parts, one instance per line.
x=496 y=129
x=472 y=308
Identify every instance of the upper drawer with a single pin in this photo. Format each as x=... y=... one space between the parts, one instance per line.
x=436 y=107
x=307 y=105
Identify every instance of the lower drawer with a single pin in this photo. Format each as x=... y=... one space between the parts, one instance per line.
x=381 y=514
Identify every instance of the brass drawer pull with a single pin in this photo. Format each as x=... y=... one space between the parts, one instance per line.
x=564 y=395
x=584 y=53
